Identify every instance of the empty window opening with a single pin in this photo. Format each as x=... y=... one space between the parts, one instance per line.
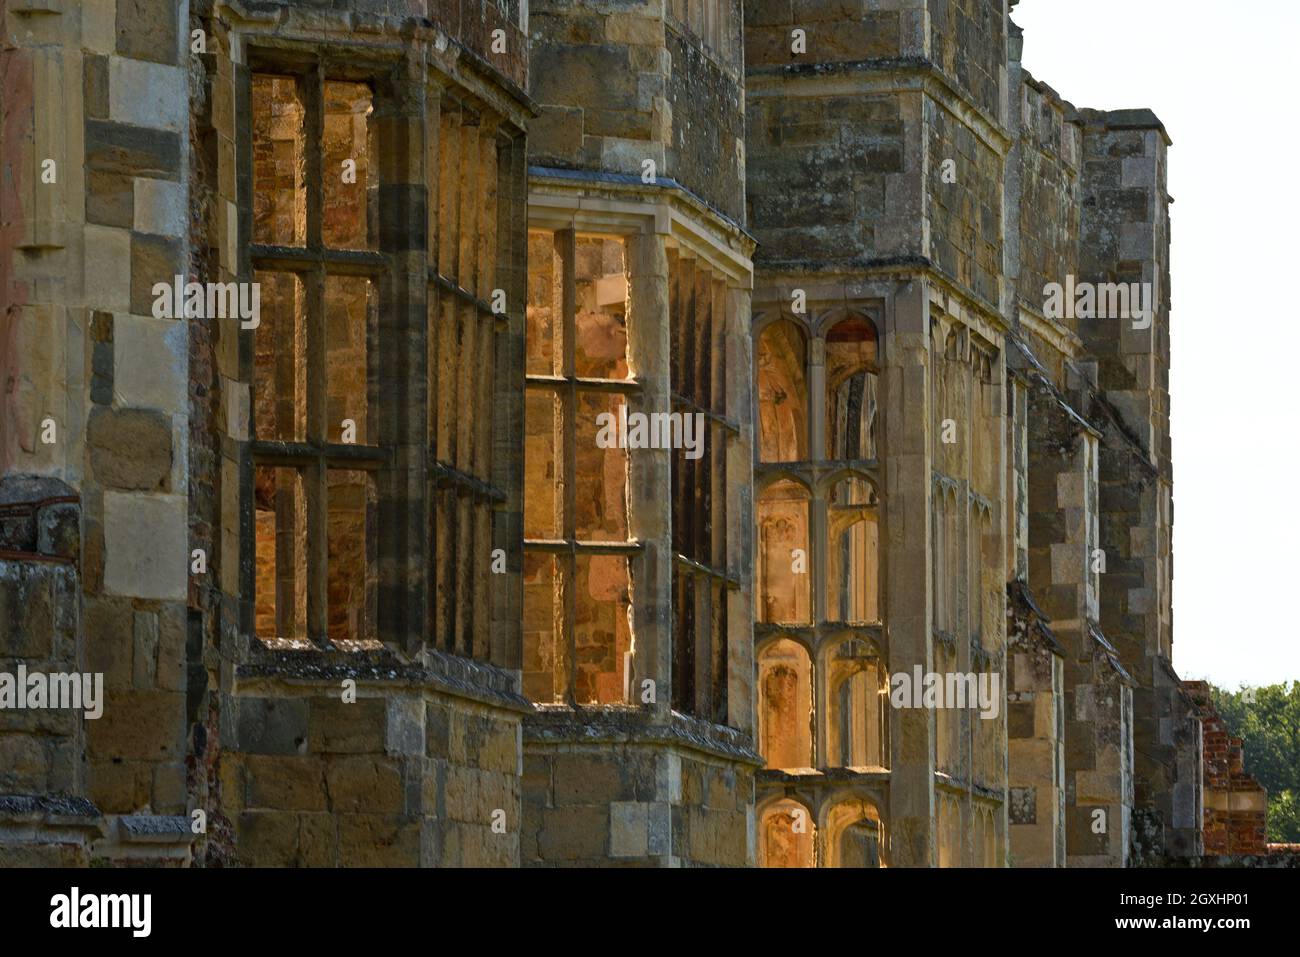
x=786 y=836
x=854 y=835
x=852 y=400
x=782 y=361
x=858 y=716
x=785 y=706
x=314 y=368
x=700 y=314
x=853 y=533
x=784 y=593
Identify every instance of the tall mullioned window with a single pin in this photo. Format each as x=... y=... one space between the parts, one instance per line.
x=818 y=608
x=577 y=585
x=361 y=491
x=314 y=448
x=699 y=313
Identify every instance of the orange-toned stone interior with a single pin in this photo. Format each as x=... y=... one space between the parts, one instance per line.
x=783 y=591
x=786 y=836
x=282 y=380
x=853 y=534
x=781 y=357
x=281 y=579
x=279 y=162
x=347 y=154
x=576 y=597
x=857 y=719
x=785 y=705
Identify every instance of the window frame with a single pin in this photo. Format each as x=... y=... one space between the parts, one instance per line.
x=312 y=263
x=564 y=387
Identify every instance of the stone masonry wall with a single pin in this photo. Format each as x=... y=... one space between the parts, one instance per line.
x=620 y=797
x=410 y=774
x=40 y=630
x=617 y=87
x=1036 y=736
x=966 y=215
x=1050 y=146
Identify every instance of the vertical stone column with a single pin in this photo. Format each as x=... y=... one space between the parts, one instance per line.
x=134 y=475
x=649 y=485
x=402 y=359
x=907 y=553
x=507 y=456
x=741 y=691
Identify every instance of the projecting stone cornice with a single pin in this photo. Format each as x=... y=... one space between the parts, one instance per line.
x=599 y=201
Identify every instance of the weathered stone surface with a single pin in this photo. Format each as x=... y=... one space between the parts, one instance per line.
x=132 y=150
x=151 y=363
x=131 y=448
x=154 y=259
x=148 y=30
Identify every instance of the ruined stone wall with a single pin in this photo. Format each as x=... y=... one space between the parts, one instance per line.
x=1124 y=234
x=96 y=214
x=811 y=196
x=1035 y=736
x=1065 y=574
x=40 y=630
x=705 y=97
x=837 y=32
x=846 y=184
x=1235 y=805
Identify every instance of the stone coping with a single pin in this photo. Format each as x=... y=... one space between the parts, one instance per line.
x=435 y=670
x=556 y=725
x=59 y=810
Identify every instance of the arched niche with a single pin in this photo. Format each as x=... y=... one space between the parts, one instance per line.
x=852 y=389
x=785 y=704
x=783 y=591
x=786 y=835
x=782 y=361
x=856 y=707
x=854 y=835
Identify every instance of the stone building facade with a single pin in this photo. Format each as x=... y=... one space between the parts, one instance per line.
x=367 y=580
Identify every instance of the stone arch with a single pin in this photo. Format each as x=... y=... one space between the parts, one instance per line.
x=853 y=404
x=853 y=833
x=856 y=707
x=948 y=829
x=785 y=704
x=783 y=590
x=787 y=834
x=853 y=550
x=770 y=477
x=781 y=360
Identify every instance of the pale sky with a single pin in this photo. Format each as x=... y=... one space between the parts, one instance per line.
x=1222 y=78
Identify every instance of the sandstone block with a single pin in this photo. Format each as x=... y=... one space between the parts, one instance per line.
x=130 y=448
x=146 y=545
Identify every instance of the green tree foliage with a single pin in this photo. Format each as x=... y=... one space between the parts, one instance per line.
x=1268 y=722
